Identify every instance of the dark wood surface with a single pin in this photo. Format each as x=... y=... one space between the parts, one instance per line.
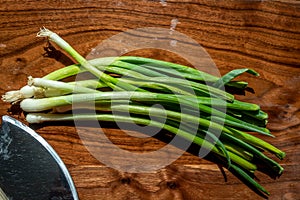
x=263 y=35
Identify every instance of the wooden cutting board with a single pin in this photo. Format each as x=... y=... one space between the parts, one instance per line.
x=262 y=35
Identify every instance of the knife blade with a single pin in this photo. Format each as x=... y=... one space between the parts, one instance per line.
x=29 y=166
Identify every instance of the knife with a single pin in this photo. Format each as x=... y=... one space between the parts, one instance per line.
x=29 y=166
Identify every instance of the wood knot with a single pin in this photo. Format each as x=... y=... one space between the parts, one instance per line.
x=125 y=180
x=172 y=185
x=21 y=60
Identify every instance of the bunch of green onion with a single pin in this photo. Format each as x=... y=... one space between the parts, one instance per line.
x=134 y=84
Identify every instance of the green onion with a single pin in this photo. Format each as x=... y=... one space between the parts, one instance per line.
x=110 y=81
x=39 y=117
x=231 y=75
x=195 y=106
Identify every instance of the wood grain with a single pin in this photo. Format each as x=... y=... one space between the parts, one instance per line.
x=263 y=35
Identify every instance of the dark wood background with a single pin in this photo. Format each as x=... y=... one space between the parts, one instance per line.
x=263 y=35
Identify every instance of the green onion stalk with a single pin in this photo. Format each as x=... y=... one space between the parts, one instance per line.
x=132 y=85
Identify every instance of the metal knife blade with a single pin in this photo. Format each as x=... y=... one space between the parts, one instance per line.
x=29 y=166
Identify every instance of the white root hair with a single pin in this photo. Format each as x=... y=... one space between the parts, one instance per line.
x=28 y=91
x=44 y=32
